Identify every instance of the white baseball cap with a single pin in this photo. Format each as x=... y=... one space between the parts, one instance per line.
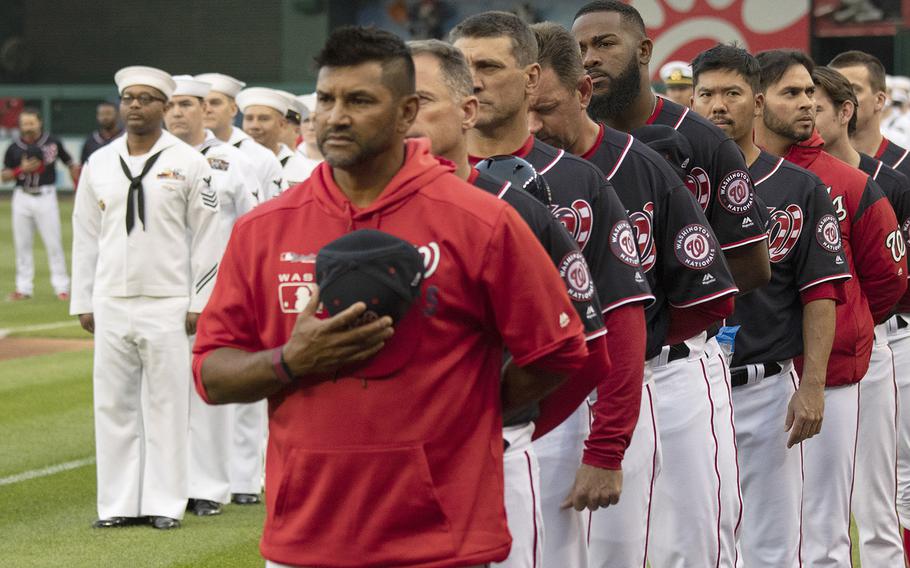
x=261 y=96
x=148 y=76
x=223 y=83
x=187 y=85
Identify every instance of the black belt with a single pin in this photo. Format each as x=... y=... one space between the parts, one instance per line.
x=677 y=352
x=740 y=375
x=33 y=190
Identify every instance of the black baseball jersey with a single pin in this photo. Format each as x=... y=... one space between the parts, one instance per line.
x=893 y=156
x=718 y=176
x=805 y=250
x=48 y=148
x=565 y=255
x=94 y=141
x=679 y=252
x=586 y=204
x=894 y=184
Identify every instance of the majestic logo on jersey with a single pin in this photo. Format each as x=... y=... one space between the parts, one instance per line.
x=577 y=219
x=839 y=209
x=699 y=184
x=643 y=226
x=574 y=271
x=896 y=243
x=623 y=244
x=735 y=193
x=784 y=229
x=695 y=247
x=430 y=255
x=827 y=233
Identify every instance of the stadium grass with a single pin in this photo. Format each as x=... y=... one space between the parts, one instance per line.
x=46 y=419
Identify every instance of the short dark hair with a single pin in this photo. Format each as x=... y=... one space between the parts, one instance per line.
x=776 y=62
x=107 y=103
x=500 y=24
x=872 y=64
x=455 y=71
x=723 y=57
x=353 y=45
x=628 y=14
x=32 y=111
x=558 y=50
x=838 y=89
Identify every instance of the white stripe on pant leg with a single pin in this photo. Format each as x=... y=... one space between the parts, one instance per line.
x=521 y=473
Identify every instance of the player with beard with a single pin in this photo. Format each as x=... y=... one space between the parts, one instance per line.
x=690 y=299
x=501 y=51
x=868 y=226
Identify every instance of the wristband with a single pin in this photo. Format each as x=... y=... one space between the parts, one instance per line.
x=282 y=371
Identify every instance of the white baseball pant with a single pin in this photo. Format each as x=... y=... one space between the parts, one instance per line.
x=522 y=495
x=828 y=463
x=618 y=535
x=249 y=432
x=875 y=487
x=209 y=448
x=39 y=212
x=559 y=453
x=142 y=361
x=899 y=340
x=770 y=474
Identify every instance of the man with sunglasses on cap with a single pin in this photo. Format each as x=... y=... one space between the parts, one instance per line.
x=396 y=431
x=146 y=249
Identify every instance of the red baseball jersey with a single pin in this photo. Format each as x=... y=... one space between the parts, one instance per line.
x=404 y=470
x=878 y=265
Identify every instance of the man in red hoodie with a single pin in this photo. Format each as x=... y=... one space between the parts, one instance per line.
x=406 y=470
x=867 y=224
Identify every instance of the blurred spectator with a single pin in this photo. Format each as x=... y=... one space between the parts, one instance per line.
x=108 y=128
x=10 y=107
x=677 y=78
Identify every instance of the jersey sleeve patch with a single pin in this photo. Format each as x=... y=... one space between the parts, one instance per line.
x=827 y=233
x=695 y=247
x=735 y=193
x=575 y=273
x=623 y=244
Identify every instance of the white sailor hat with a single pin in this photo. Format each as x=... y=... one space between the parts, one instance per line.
x=148 y=76
x=222 y=83
x=261 y=96
x=296 y=110
x=187 y=85
x=676 y=74
x=308 y=101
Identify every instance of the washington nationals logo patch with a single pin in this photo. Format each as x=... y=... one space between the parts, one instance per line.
x=694 y=246
x=827 y=233
x=643 y=226
x=735 y=193
x=784 y=229
x=699 y=184
x=574 y=271
x=622 y=243
x=896 y=244
x=577 y=219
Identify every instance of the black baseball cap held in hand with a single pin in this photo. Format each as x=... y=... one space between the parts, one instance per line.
x=385 y=273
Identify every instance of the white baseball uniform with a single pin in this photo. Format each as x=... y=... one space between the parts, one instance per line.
x=140 y=283
x=521 y=472
x=266 y=165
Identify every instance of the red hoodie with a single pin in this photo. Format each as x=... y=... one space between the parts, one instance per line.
x=868 y=226
x=406 y=470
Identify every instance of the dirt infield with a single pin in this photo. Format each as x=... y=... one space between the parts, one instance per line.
x=15 y=347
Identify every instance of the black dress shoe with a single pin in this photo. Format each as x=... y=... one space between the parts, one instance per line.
x=165 y=523
x=113 y=523
x=204 y=507
x=245 y=499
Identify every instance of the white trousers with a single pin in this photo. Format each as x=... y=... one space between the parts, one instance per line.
x=559 y=453
x=142 y=361
x=618 y=535
x=899 y=340
x=31 y=212
x=248 y=441
x=209 y=447
x=770 y=474
x=829 y=460
x=522 y=495
x=875 y=487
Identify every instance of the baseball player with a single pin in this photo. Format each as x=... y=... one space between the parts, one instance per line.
x=265 y=119
x=717 y=177
x=876 y=447
x=108 y=128
x=690 y=298
x=448 y=110
x=428 y=432
x=30 y=161
x=501 y=51
x=808 y=264
x=677 y=78
x=146 y=248
x=867 y=224
x=210 y=428
x=220 y=110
